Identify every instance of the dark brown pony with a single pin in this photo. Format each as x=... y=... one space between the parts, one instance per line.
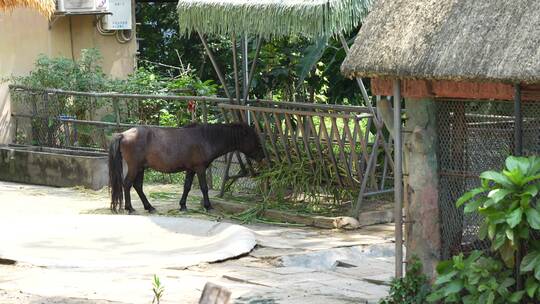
x=189 y=149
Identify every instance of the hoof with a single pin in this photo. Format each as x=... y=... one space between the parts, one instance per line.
x=152 y=210
x=131 y=211
x=208 y=208
x=183 y=208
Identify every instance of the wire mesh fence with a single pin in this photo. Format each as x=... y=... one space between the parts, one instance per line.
x=86 y=121
x=58 y=118
x=475 y=136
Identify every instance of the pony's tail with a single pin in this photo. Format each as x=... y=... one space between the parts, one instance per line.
x=115 y=174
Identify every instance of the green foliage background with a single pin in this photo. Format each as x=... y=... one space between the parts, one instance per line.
x=291 y=68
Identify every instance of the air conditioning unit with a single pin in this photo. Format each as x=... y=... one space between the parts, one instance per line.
x=120 y=15
x=82 y=6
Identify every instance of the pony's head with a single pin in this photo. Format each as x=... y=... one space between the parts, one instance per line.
x=250 y=144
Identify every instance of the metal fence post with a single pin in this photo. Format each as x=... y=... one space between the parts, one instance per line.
x=45 y=120
x=518 y=151
x=209 y=171
x=398 y=178
x=116 y=107
x=518 y=122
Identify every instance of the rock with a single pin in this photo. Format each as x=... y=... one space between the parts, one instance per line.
x=346 y=222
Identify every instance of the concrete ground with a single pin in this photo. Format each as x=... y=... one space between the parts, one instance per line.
x=288 y=265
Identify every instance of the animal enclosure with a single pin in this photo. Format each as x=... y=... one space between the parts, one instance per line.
x=475 y=136
x=342 y=143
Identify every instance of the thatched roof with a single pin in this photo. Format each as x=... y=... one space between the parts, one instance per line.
x=271 y=18
x=473 y=40
x=44 y=7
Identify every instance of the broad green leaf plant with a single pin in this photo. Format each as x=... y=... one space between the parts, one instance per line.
x=474 y=279
x=507 y=202
x=506 y=205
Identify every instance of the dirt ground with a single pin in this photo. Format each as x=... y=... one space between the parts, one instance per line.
x=289 y=264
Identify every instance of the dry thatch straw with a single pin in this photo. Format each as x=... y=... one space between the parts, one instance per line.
x=44 y=7
x=480 y=40
x=271 y=18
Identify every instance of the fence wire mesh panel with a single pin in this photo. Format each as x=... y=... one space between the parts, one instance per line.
x=475 y=136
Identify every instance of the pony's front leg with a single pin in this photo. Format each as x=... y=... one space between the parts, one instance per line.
x=201 y=175
x=187 y=187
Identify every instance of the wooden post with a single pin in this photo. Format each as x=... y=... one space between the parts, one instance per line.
x=215 y=65
x=46 y=117
x=67 y=134
x=214 y=294
x=422 y=215
x=225 y=178
x=235 y=70
x=16 y=130
x=245 y=70
x=253 y=65
x=365 y=177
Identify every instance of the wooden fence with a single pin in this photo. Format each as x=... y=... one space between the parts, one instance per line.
x=338 y=139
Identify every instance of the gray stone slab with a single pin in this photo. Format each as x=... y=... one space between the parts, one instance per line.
x=326 y=259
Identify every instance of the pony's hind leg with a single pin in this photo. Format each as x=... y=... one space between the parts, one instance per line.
x=128 y=183
x=201 y=176
x=187 y=186
x=138 y=185
x=127 y=196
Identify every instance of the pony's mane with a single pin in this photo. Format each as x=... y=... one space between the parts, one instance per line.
x=236 y=132
x=191 y=125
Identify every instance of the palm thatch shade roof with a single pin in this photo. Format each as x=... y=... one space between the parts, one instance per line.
x=479 y=40
x=44 y=7
x=271 y=18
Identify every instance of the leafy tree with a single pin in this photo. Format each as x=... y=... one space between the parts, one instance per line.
x=291 y=68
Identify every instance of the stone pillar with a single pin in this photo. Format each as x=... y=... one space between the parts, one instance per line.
x=422 y=228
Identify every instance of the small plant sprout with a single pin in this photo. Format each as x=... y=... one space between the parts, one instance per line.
x=158 y=290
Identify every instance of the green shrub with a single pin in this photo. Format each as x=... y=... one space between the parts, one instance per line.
x=506 y=201
x=85 y=74
x=412 y=289
x=474 y=279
